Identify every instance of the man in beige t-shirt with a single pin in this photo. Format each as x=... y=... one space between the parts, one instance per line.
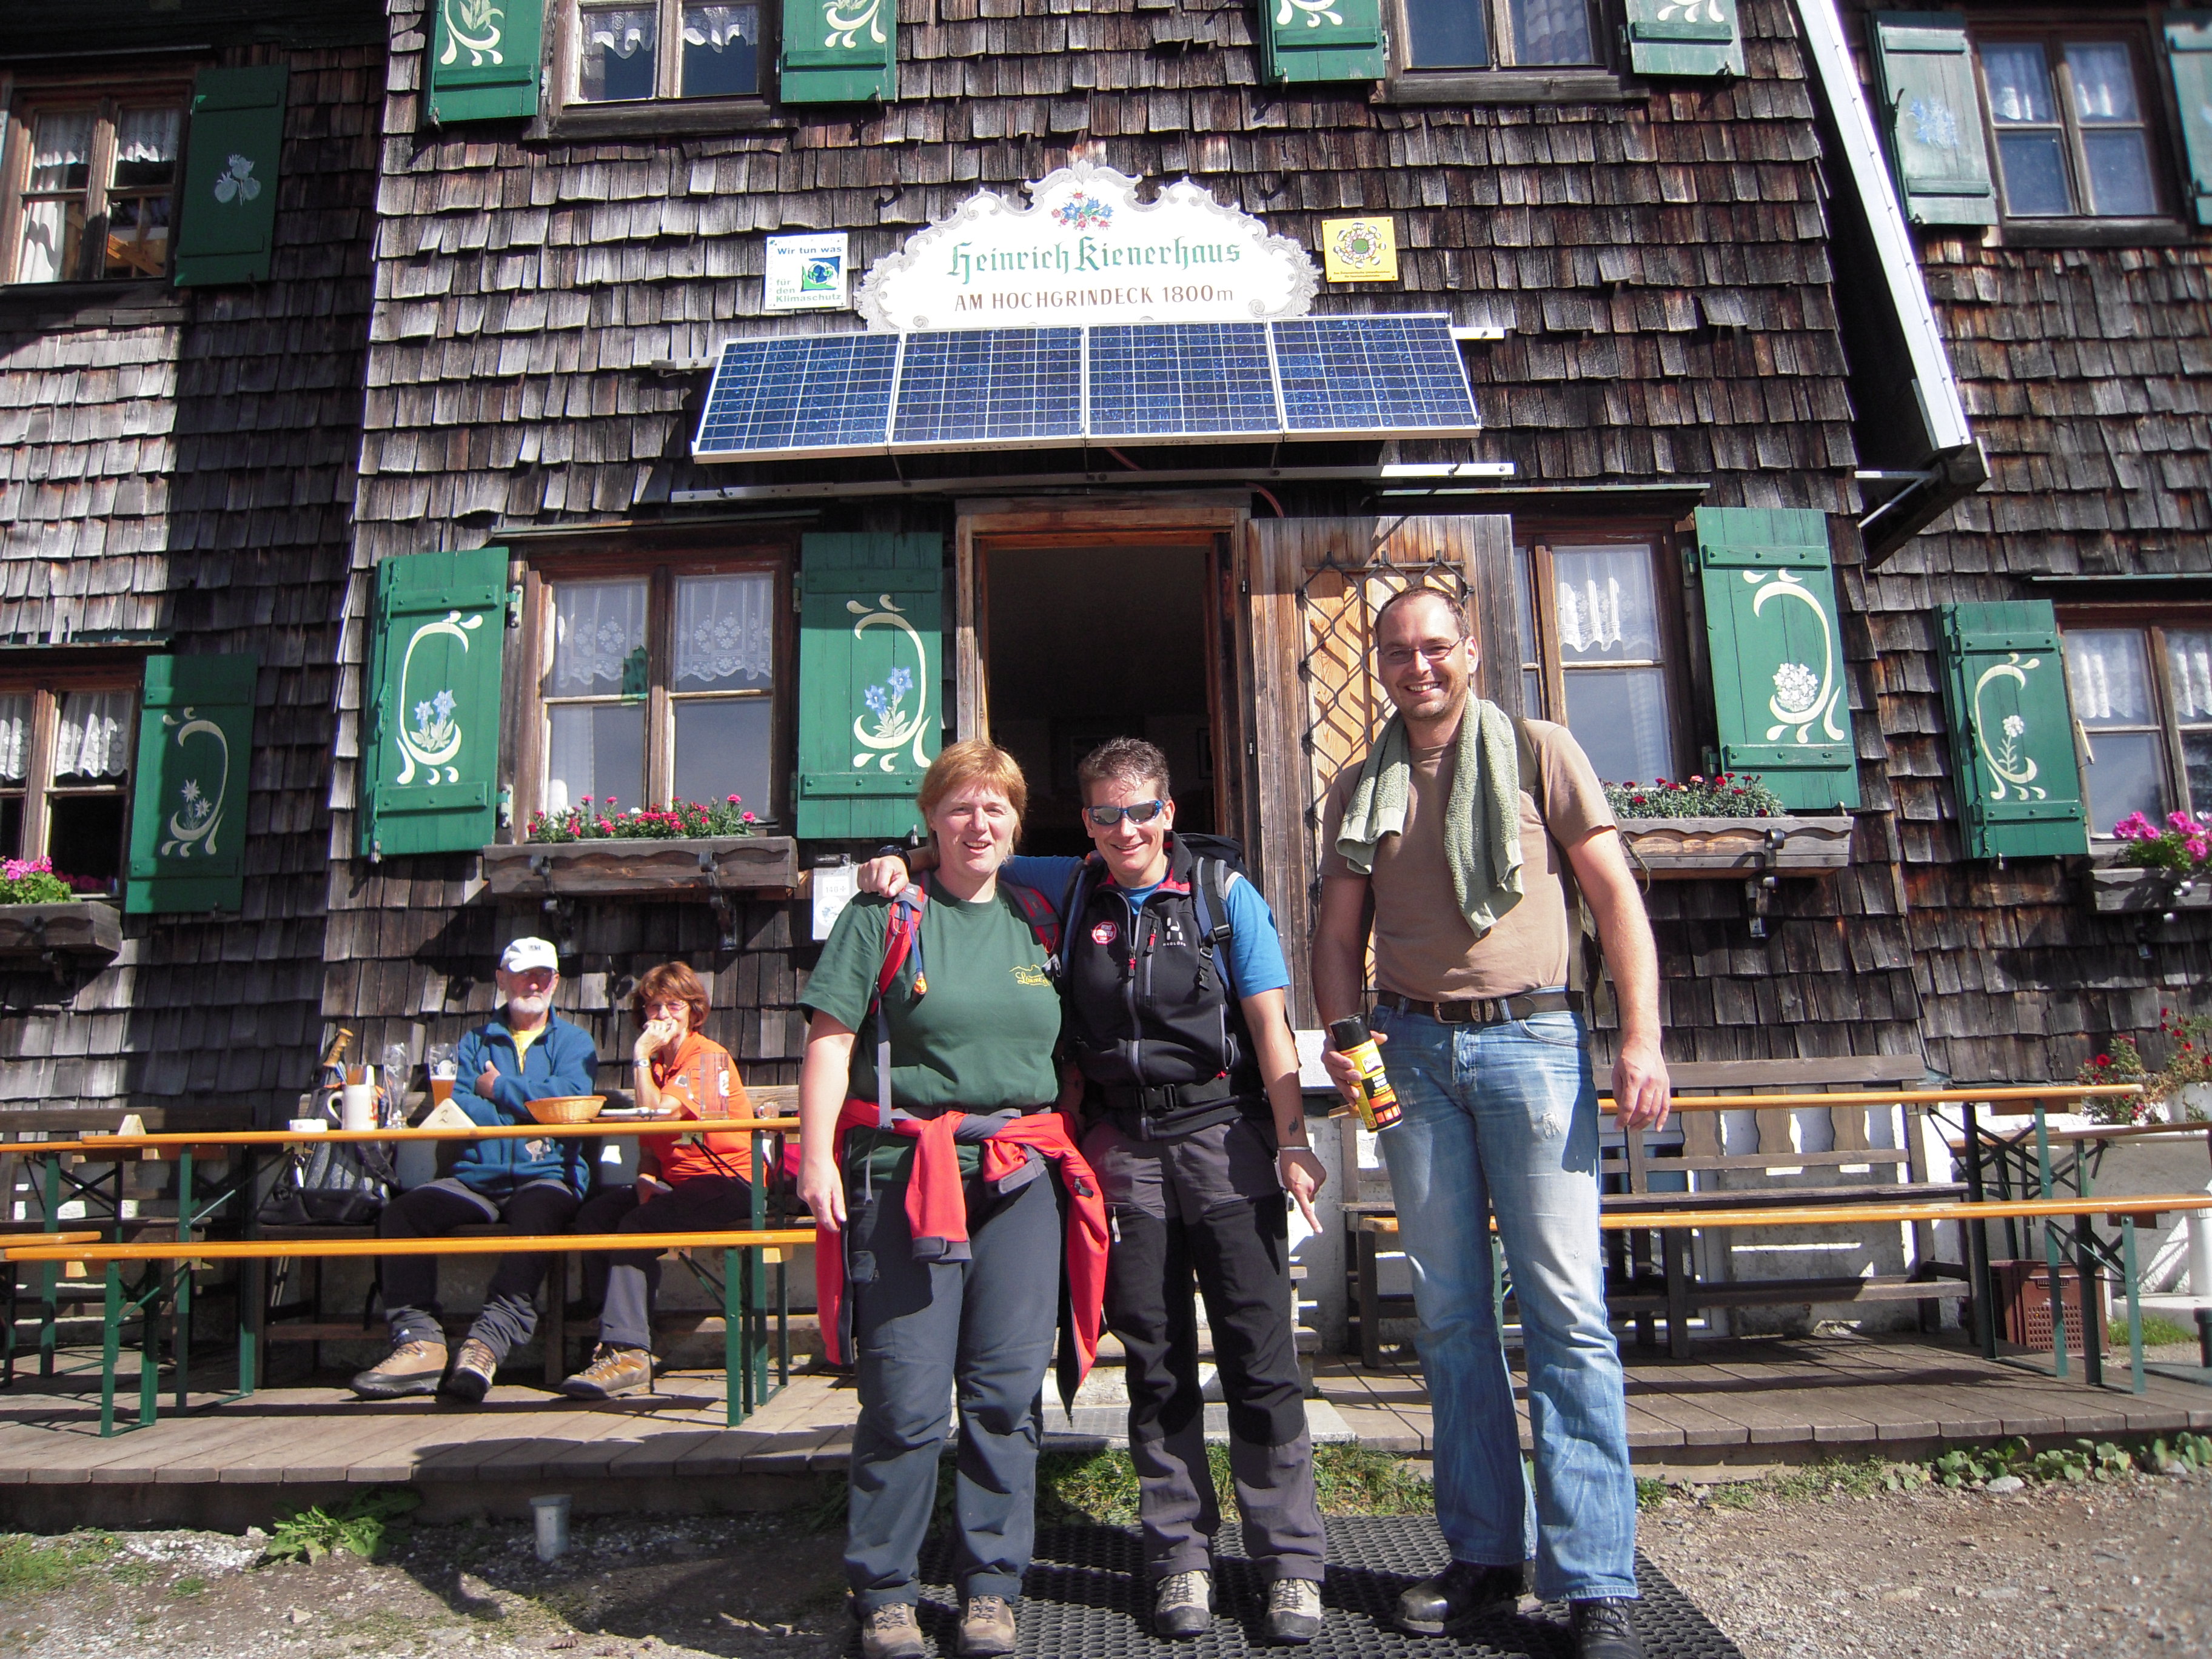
x=1486 y=1040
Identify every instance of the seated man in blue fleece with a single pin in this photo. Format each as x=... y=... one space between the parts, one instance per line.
x=534 y=1184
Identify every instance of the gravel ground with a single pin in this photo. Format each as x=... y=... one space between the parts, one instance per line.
x=2103 y=1568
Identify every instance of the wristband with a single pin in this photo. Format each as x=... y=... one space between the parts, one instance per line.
x=896 y=852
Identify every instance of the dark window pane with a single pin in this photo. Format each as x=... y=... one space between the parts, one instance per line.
x=2197 y=756
x=11 y=827
x=2123 y=778
x=2034 y=174
x=84 y=837
x=721 y=50
x=1552 y=32
x=2119 y=174
x=1619 y=715
x=596 y=751
x=1446 y=34
x=722 y=749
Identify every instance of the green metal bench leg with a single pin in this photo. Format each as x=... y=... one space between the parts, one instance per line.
x=150 y=1344
x=2134 y=1303
x=182 y=1340
x=734 y=1343
x=111 y=1344
x=2050 y=1250
x=249 y=1292
x=2089 y=1279
x=50 y=1272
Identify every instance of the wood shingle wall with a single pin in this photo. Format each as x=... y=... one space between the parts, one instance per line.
x=182 y=461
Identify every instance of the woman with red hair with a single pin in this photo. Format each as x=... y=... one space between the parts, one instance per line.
x=682 y=1185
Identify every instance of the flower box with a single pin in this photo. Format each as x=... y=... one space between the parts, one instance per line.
x=696 y=868
x=2115 y=888
x=84 y=931
x=1694 y=849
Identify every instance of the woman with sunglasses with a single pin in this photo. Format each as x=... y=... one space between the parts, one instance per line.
x=1196 y=1128
x=682 y=1185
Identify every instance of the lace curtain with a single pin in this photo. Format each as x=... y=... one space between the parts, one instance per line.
x=15 y=737
x=91 y=740
x=2109 y=673
x=1605 y=602
x=145 y=136
x=61 y=159
x=2019 y=82
x=2189 y=663
x=596 y=626
x=717 y=26
x=623 y=31
x=2104 y=81
x=724 y=631
x=1552 y=32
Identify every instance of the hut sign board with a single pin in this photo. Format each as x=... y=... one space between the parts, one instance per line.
x=1086 y=250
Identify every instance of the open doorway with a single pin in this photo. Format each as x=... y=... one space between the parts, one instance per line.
x=1082 y=644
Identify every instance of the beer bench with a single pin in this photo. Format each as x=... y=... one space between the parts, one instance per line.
x=1636 y=1215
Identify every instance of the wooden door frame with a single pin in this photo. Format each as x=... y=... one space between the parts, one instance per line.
x=1211 y=520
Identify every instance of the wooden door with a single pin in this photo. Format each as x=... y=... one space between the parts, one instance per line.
x=1315 y=705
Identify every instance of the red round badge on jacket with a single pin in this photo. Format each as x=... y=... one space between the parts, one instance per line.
x=1104 y=933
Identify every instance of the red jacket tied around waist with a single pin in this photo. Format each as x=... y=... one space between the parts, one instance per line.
x=936 y=1215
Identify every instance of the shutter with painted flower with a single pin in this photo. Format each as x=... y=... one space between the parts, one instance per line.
x=188 y=800
x=1931 y=117
x=1701 y=38
x=485 y=60
x=2012 y=759
x=227 y=212
x=870 y=681
x=839 y=51
x=430 y=747
x=1780 y=700
x=1322 y=40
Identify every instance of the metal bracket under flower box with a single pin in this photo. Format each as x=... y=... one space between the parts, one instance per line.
x=2129 y=888
x=1700 y=849
x=81 y=932
x=699 y=868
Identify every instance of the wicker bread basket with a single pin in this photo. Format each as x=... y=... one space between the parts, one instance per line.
x=568 y=1109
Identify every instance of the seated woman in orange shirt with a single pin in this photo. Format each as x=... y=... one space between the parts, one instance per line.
x=682 y=1186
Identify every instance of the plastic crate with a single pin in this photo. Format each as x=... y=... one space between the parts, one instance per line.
x=2023 y=1295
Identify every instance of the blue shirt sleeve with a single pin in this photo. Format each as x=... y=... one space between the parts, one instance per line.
x=1049 y=876
x=1256 y=948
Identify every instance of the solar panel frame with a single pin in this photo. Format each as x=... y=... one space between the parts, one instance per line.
x=1402 y=371
x=1003 y=388
x=807 y=395
x=1163 y=366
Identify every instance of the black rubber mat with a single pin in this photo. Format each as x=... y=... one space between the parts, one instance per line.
x=1083 y=1600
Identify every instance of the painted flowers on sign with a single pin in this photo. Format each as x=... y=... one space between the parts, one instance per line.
x=1084 y=212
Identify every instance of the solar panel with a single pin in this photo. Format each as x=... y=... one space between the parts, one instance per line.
x=1373 y=376
x=1000 y=386
x=1158 y=381
x=822 y=395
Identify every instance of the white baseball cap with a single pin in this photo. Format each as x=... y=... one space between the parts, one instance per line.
x=525 y=954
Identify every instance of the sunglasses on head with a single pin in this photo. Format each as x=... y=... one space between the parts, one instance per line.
x=1143 y=812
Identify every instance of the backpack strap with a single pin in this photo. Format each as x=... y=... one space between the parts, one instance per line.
x=1044 y=922
x=902 y=940
x=1209 y=897
x=1578 y=915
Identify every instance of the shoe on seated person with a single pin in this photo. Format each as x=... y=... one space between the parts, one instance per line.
x=474 y=1366
x=891 y=1632
x=612 y=1372
x=1603 y=1629
x=1183 y=1604
x=986 y=1628
x=1293 y=1610
x=1457 y=1594
x=413 y=1367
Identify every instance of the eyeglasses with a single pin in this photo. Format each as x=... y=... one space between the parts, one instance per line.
x=1143 y=812
x=1401 y=656
x=673 y=1005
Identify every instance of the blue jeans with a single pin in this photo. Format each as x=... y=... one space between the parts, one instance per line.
x=1503 y=1119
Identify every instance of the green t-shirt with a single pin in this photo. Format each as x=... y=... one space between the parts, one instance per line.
x=980 y=1036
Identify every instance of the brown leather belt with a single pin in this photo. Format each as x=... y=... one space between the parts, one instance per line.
x=1485 y=1011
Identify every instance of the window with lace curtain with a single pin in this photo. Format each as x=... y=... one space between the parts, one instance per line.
x=1480 y=34
x=2070 y=118
x=657 y=684
x=66 y=775
x=633 y=51
x=2143 y=703
x=1601 y=650
x=93 y=187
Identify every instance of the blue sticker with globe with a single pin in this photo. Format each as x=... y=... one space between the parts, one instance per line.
x=822 y=275
x=806 y=272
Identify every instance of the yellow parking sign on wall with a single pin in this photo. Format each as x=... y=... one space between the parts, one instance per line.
x=1360 y=250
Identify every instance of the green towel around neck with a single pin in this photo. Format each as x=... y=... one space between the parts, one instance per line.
x=1482 y=815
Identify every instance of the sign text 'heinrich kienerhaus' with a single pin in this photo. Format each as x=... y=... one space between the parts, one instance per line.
x=1086 y=250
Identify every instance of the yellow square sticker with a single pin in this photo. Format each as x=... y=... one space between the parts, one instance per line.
x=1360 y=250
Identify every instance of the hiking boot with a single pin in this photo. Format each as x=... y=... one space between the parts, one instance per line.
x=986 y=1628
x=469 y=1380
x=1457 y=1594
x=612 y=1372
x=1183 y=1604
x=411 y=1367
x=891 y=1632
x=1603 y=1629
x=1293 y=1610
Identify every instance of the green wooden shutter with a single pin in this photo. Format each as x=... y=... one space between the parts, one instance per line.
x=227 y=217
x=485 y=60
x=839 y=51
x=429 y=771
x=188 y=800
x=2011 y=731
x=1684 y=37
x=1322 y=40
x=871 y=664
x=1779 y=695
x=1931 y=117
x=2189 y=56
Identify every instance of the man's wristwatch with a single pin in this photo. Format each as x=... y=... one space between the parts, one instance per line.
x=897 y=850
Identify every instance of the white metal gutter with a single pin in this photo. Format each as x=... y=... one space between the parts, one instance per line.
x=1933 y=382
